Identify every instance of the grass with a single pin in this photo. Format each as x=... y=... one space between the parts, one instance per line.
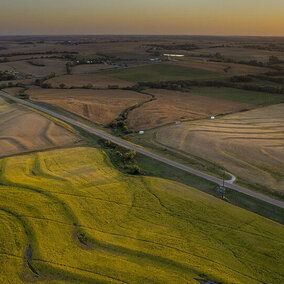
x=154 y=168
x=148 y=140
x=86 y=222
x=162 y=72
x=158 y=169
x=237 y=95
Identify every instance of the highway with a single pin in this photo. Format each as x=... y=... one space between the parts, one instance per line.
x=147 y=153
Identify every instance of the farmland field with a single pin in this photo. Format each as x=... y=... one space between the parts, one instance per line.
x=237 y=95
x=99 y=106
x=249 y=145
x=226 y=68
x=239 y=53
x=22 y=130
x=70 y=216
x=13 y=91
x=162 y=72
x=26 y=68
x=171 y=106
x=75 y=208
x=96 y=80
x=90 y=68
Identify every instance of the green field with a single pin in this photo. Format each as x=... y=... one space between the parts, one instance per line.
x=162 y=72
x=237 y=95
x=69 y=216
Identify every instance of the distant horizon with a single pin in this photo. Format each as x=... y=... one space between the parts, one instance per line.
x=121 y=34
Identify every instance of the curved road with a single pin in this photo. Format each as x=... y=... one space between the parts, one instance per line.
x=147 y=153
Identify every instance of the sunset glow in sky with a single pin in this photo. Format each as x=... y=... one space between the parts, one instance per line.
x=202 y=17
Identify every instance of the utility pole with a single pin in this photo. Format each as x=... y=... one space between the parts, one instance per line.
x=223 y=187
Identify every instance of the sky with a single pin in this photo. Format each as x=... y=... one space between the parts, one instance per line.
x=185 y=17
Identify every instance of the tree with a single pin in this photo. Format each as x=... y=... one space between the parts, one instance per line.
x=46 y=85
x=89 y=86
x=68 y=67
x=218 y=55
x=273 y=59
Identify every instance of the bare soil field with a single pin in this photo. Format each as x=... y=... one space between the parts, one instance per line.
x=25 y=68
x=22 y=130
x=171 y=106
x=90 y=68
x=99 y=106
x=250 y=145
x=96 y=80
x=226 y=68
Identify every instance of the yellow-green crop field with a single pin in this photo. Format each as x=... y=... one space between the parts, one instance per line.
x=68 y=216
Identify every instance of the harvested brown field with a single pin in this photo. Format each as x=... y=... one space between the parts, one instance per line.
x=171 y=106
x=31 y=68
x=90 y=68
x=19 y=81
x=13 y=91
x=99 y=106
x=22 y=130
x=250 y=145
x=226 y=68
x=96 y=80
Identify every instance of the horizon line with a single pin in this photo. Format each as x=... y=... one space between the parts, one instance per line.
x=109 y=34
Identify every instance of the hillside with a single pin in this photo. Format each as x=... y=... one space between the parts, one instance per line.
x=23 y=130
x=70 y=216
x=248 y=144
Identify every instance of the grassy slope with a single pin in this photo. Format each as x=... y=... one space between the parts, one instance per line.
x=87 y=222
x=162 y=72
x=237 y=95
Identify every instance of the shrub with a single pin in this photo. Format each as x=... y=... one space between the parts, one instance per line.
x=237 y=79
x=133 y=170
x=46 y=85
x=89 y=86
x=6 y=76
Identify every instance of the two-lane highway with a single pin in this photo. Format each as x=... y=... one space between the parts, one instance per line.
x=147 y=153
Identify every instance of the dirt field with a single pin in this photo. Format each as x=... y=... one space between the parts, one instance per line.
x=171 y=106
x=226 y=68
x=249 y=145
x=99 y=106
x=97 y=81
x=90 y=68
x=27 y=69
x=22 y=130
